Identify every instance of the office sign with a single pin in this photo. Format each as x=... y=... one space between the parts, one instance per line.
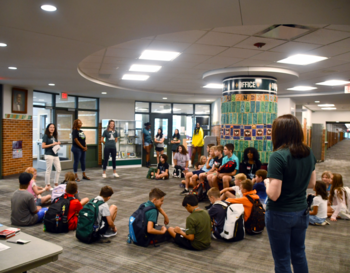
x=249 y=85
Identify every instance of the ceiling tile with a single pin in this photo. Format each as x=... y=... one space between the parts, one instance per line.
x=239 y=53
x=221 y=39
x=207 y=66
x=168 y=46
x=134 y=44
x=182 y=37
x=339 y=27
x=334 y=49
x=251 y=62
x=205 y=49
x=185 y=57
x=269 y=56
x=117 y=61
x=93 y=59
x=122 y=52
x=249 y=43
x=85 y=65
x=294 y=48
x=323 y=37
x=224 y=61
x=344 y=57
x=245 y=30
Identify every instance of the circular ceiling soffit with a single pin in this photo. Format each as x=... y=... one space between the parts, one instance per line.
x=218 y=75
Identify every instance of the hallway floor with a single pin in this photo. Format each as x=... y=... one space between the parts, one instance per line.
x=327 y=247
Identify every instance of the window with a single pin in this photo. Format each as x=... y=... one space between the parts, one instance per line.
x=89 y=119
x=87 y=103
x=183 y=109
x=183 y=124
x=70 y=103
x=161 y=108
x=42 y=99
x=142 y=107
x=202 y=109
x=141 y=119
x=91 y=136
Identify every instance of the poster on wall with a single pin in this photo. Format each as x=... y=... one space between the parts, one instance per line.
x=17 y=149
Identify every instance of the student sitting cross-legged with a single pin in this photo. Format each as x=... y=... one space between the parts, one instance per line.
x=259 y=185
x=216 y=212
x=24 y=212
x=197 y=235
x=163 y=169
x=234 y=191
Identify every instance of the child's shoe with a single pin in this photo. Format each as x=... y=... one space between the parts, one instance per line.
x=185 y=191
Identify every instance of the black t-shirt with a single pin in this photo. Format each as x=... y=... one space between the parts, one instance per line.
x=250 y=169
x=49 y=140
x=80 y=136
x=163 y=167
x=218 y=214
x=217 y=162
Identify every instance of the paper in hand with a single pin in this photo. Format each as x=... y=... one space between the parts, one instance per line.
x=56 y=148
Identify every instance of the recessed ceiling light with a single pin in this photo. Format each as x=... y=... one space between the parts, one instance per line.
x=317 y=101
x=302 y=59
x=48 y=8
x=214 y=85
x=134 y=77
x=12 y=67
x=3 y=45
x=145 y=68
x=208 y=100
x=329 y=108
x=302 y=88
x=165 y=98
x=333 y=82
x=159 y=55
x=51 y=84
x=103 y=93
x=325 y=105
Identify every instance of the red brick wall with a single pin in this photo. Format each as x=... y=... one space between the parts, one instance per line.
x=14 y=130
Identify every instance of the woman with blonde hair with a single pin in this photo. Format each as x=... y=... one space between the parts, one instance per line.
x=37 y=191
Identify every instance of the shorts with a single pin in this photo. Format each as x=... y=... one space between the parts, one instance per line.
x=38 y=202
x=104 y=226
x=183 y=242
x=159 y=149
x=198 y=172
x=148 y=144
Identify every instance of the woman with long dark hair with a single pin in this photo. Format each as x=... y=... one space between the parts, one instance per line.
x=109 y=138
x=197 y=142
x=159 y=141
x=79 y=149
x=251 y=162
x=175 y=142
x=51 y=157
x=291 y=172
x=147 y=142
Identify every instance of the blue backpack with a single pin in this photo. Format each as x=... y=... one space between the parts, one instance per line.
x=138 y=227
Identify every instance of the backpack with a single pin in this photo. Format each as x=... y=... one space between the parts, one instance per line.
x=347 y=197
x=56 y=218
x=86 y=231
x=256 y=222
x=58 y=191
x=138 y=226
x=234 y=222
x=200 y=191
x=228 y=167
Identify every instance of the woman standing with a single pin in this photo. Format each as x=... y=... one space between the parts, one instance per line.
x=147 y=142
x=251 y=162
x=49 y=141
x=197 y=142
x=79 y=149
x=109 y=138
x=159 y=140
x=291 y=172
x=175 y=142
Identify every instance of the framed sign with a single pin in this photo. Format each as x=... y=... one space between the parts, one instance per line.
x=19 y=100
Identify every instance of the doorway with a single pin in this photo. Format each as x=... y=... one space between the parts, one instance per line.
x=163 y=121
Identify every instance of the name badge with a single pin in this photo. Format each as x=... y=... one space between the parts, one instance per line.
x=248 y=167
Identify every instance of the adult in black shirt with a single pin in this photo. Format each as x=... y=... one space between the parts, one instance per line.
x=250 y=163
x=79 y=149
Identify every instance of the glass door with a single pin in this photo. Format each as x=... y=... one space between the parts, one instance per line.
x=164 y=122
x=64 y=124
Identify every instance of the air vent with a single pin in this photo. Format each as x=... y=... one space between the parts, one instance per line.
x=285 y=32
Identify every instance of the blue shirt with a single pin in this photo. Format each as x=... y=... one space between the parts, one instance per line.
x=147 y=135
x=211 y=162
x=260 y=190
x=232 y=158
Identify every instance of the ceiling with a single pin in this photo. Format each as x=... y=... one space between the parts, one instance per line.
x=104 y=39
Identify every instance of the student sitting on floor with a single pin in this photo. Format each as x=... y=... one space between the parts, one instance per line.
x=75 y=205
x=246 y=188
x=218 y=152
x=259 y=185
x=61 y=188
x=234 y=191
x=37 y=191
x=337 y=199
x=327 y=178
x=162 y=170
x=197 y=235
x=24 y=212
x=181 y=159
x=106 y=214
x=226 y=178
x=216 y=212
x=318 y=215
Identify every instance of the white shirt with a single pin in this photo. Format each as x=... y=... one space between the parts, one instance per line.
x=238 y=191
x=103 y=210
x=322 y=206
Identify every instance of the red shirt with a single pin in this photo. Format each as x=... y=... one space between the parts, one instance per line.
x=74 y=207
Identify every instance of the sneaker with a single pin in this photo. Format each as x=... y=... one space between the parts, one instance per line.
x=152 y=177
x=104 y=175
x=213 y=236
x=326 y=222
x=208 y=207
x=185 y=191
x=344 y=215
x=109 y=233
x=116 y=175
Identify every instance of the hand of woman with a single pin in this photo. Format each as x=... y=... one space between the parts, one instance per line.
x=58 y=142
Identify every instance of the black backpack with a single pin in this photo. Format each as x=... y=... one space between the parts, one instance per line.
x=138 y=226
x=256 y=222
x=56 y=218
x=200 y=191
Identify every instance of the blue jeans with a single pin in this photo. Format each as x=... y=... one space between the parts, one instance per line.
x=79 y=155
x=314 y=219
x=287 y=232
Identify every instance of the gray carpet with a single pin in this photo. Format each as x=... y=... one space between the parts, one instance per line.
x=327 y=247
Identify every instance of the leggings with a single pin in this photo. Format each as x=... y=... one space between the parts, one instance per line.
x=107 y=151
x=79 y=155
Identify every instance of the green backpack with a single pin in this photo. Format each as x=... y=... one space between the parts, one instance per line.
x=150 y=170
x=86 y=232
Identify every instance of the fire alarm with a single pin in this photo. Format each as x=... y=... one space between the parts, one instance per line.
x=259 y=45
